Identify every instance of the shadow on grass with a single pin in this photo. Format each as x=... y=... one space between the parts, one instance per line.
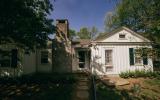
x=38 y=87
x=105 y=92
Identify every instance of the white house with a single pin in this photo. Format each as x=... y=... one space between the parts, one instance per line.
x=113 y=53
x=15 y=61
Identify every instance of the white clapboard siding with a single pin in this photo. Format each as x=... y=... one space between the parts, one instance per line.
x=120 y=52
x=120 y=58
x=29 y=63
x=130 y=36
x=44 y=67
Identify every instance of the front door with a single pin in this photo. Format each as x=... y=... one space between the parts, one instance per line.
x=81 y=55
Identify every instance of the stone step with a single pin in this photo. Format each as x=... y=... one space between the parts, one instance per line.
x=83 y=88
x=115 y=81
x=82 y=83
x=82 y=94
x=122 y=82
x=83 y=80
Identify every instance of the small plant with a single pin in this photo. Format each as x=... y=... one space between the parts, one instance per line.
x=136 y=89
x=124 y=75
x=138 y=73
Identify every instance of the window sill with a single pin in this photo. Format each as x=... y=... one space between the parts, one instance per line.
x=109 y=66
x=137 y=65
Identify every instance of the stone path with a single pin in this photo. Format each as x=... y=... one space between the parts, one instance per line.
x=82 y=89
x=114 y=81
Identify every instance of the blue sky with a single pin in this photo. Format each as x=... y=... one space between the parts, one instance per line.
x=83 y=13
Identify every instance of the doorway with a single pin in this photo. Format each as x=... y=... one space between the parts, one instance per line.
x=81 y=55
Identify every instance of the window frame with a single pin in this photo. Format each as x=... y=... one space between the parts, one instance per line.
x=110 y=64
x=44 y=57
x=7 y=57
x=139 y=59
x=122 y=36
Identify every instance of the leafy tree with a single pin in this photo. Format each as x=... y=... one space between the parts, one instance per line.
x=139 y=15
x=108 y=21
x=25 y=22
x=72 y=32
x=94 y=32
x=84 y=33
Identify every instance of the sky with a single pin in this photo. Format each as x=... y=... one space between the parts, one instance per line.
x=82 y=13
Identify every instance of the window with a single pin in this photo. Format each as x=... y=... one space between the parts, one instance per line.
x=138 y=58
x=109 y=69
x=81 y=55
x=9 y=58
x=44 y=57
x=108 y=57
x=27 y=51
x=122 y=36
x=5 y=59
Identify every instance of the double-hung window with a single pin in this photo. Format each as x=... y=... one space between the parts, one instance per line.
x=9 y=58
x=108 y=57
x=44 y=57
x=136 y=58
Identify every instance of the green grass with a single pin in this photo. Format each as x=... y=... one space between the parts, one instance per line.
x=38 y=87
x=149 y=90
x=153 y=82
x=110 y=93
x=149 y=95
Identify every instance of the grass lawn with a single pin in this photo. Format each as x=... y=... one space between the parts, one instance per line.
x=38 y=87
x=105 y=92
x=151 y=89
x=138 y=89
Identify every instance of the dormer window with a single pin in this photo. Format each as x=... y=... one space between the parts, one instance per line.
x=122 y=36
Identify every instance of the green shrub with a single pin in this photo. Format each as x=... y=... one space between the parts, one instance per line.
x=139 y=73
x=136 y=88
x=124 y=75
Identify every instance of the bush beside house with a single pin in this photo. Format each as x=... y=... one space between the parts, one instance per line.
x=138 y=73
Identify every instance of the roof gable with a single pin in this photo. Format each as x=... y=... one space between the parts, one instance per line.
x=130 y=36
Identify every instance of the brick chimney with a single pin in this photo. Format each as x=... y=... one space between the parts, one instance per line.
x=63 y=26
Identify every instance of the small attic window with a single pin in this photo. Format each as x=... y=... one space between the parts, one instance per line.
x=122 y=36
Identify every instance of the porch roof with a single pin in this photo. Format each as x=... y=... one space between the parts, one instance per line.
x=81 y=43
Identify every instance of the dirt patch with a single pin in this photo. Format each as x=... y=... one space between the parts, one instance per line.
x=143 y=88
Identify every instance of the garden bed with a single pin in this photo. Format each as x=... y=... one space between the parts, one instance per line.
x=38 y=87
x=138 y=89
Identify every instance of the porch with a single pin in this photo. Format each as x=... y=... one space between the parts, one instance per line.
x=81 y=55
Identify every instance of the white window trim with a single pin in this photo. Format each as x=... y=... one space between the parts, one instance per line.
x=137 y=64
x=108 y=65
x=122 y=38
